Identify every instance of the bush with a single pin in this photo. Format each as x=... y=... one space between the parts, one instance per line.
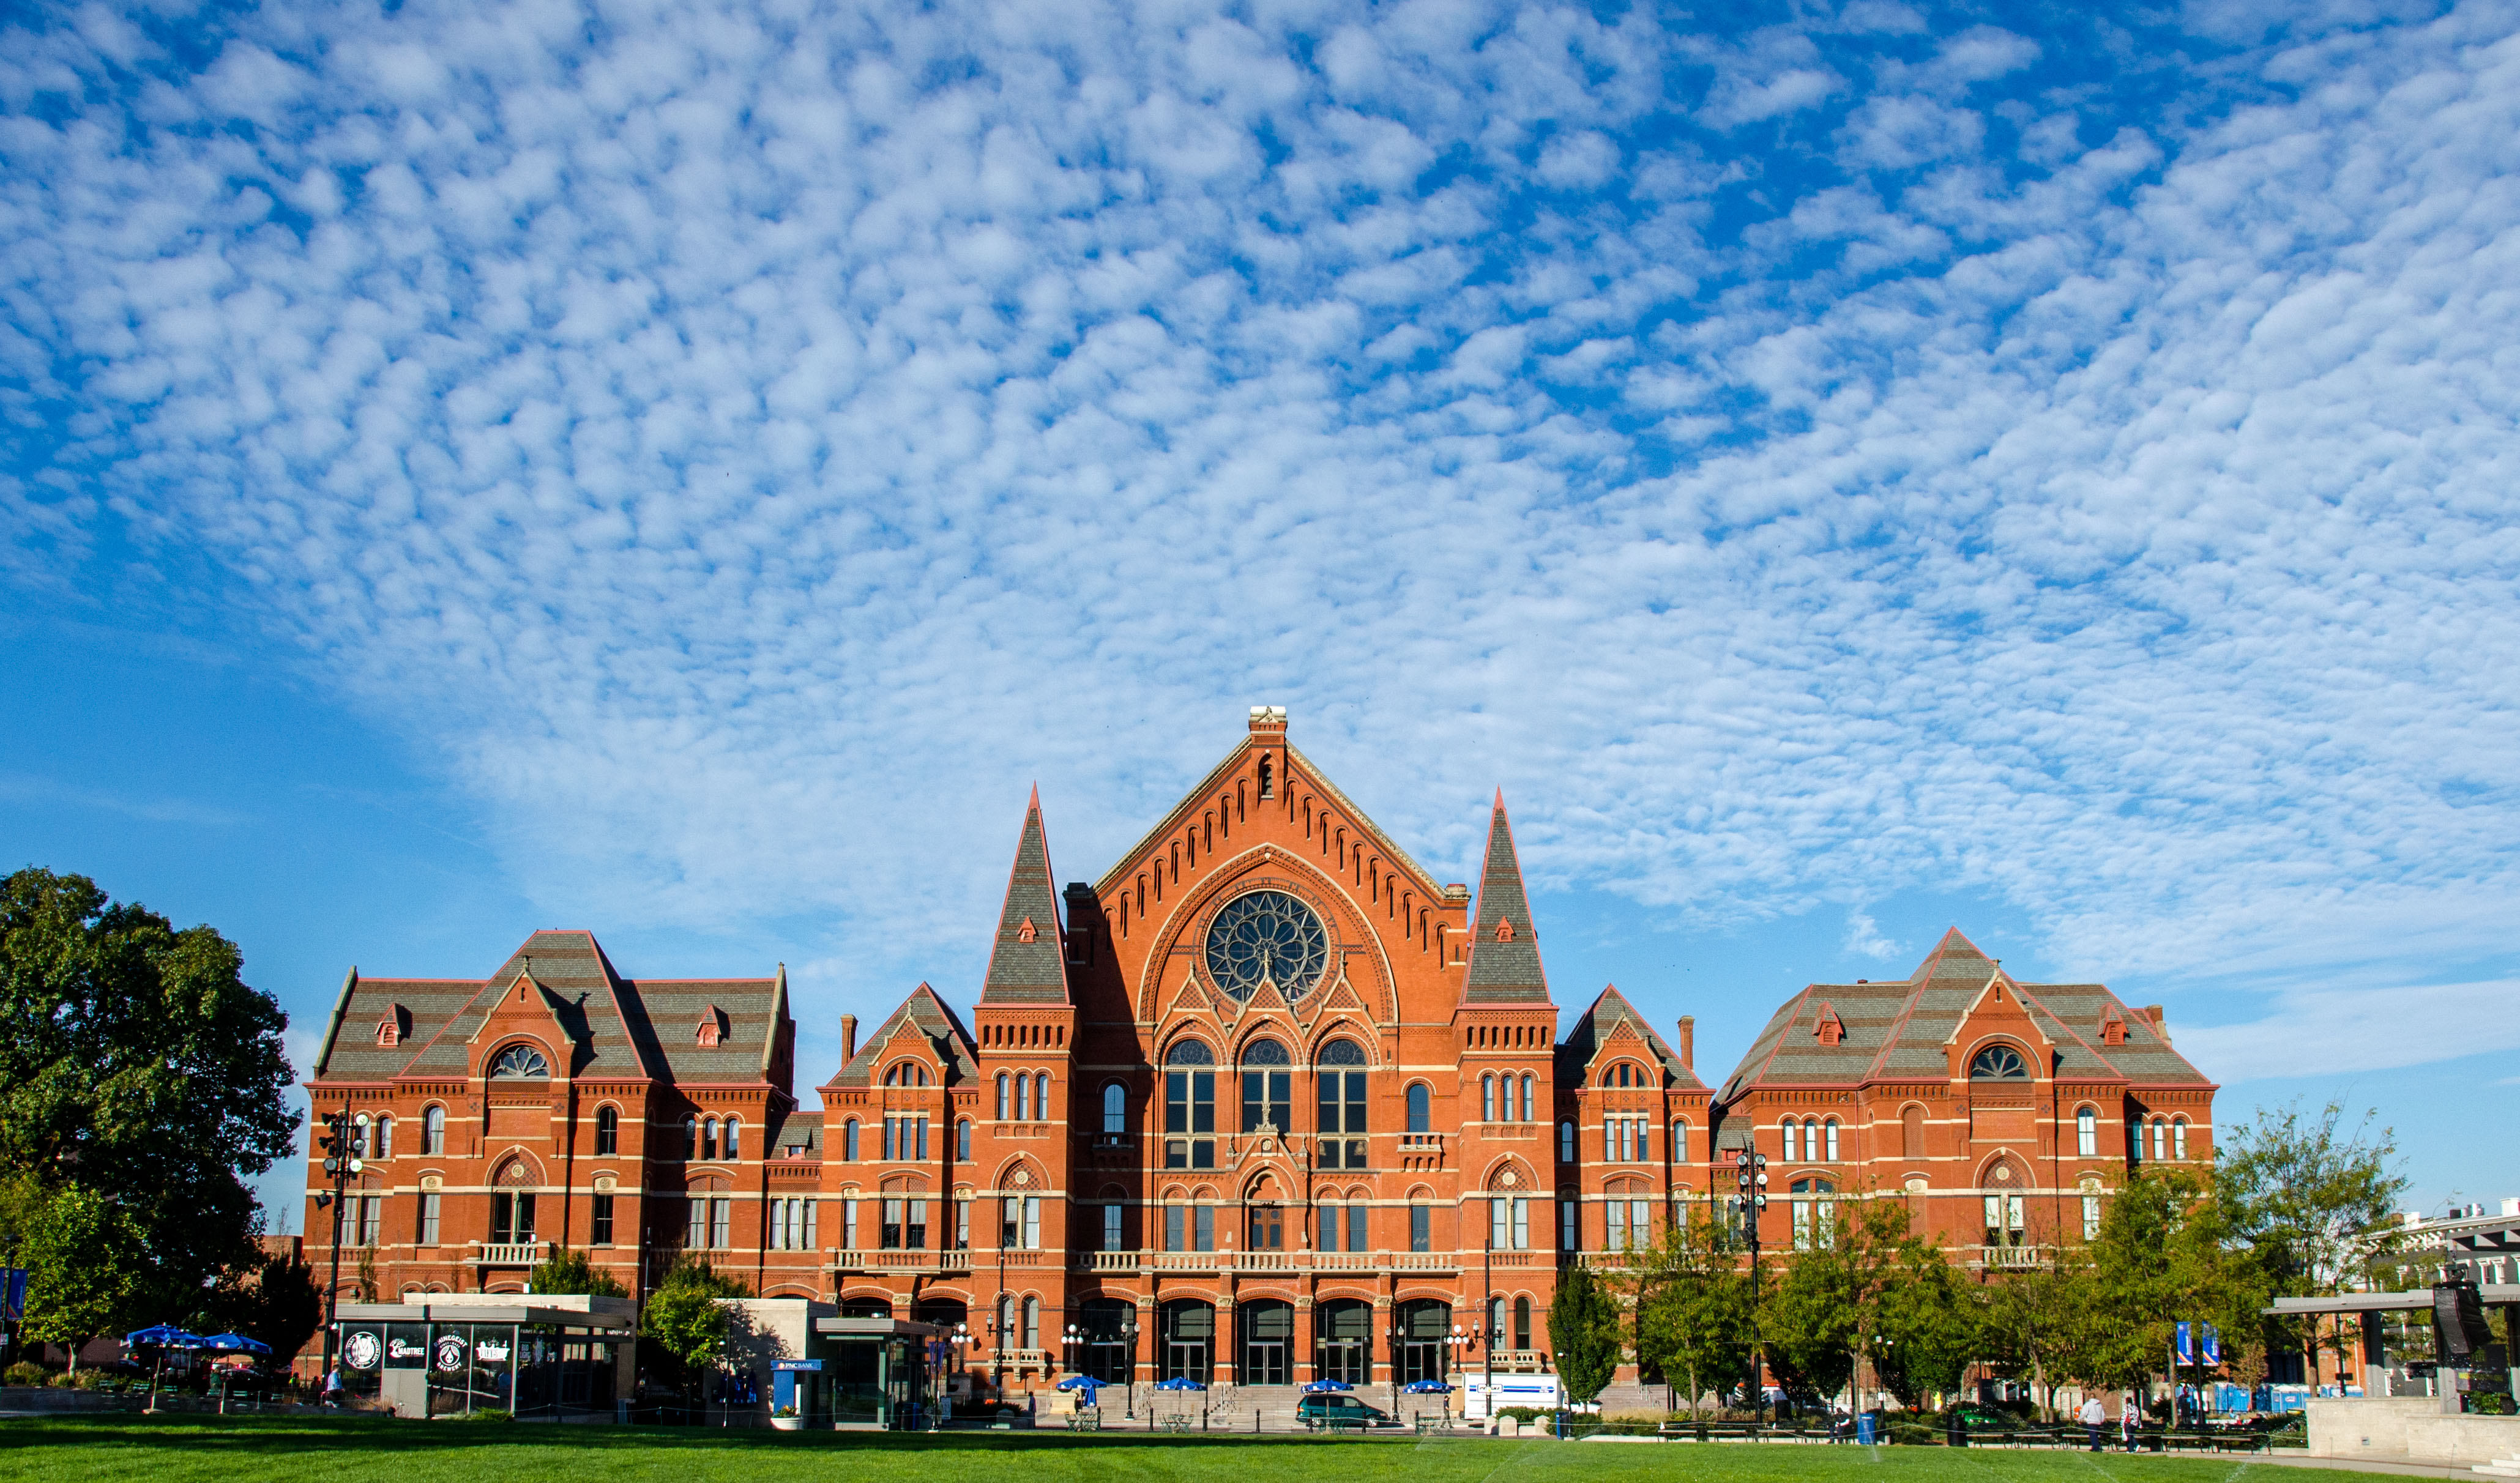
x=24 y=1373
x=491 y=1414
x=60 y=1380
x=92 y=1378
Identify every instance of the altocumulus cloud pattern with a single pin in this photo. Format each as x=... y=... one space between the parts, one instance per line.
x=1802 y=457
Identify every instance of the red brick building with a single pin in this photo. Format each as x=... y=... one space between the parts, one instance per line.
x=1263 y=1103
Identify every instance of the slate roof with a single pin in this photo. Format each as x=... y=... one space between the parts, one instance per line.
x=618 y=1026
x=799 y=1136
x=1035 y=972
x=1508 y=971
x=1594 y=1026
x=1899 y=1028
x=937 y=1021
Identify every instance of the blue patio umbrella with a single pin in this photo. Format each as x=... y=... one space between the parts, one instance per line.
x=1179 y=1382
x=236 y=1343
x=1081 y=1382
x=1427 y=1388
x=1318 y=1386
x=162 y=1337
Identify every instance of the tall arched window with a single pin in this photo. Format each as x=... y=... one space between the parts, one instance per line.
x=961 y=1140
x=432 y=1131
x=1040 y=1096
x=1523 y=1324
x=1032 y=1323
x=608 y=1131
x=1001 y=1097
x=2179 y=1138
x=1566 y=1142
x=1911 y=1132
x=1115 y=1107
x=2086 y=1132
x=2160 y=1140
x=734 y=1147
x=1793 y=1141
x=1420 y=1108
x=1487 y=1098
x=1189 y=1106
x=1527 y=1085
x=1338 y=1107
x=1829 y=1128
x=1267 y=1087
x=385 y=1137
x=1680 y=1142
x=1023 y=1097
x=849 y=1142
x=691 y=1139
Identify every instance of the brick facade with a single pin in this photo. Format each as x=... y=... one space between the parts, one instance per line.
x=1265 y=1103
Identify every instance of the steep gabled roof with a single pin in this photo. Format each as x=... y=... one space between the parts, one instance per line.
x=1902 y=1028
x=1505 y=949
x=1594 y=1026
x=1028 y=963
x=933 y=1018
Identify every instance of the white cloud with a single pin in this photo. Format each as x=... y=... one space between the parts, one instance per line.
x=2319 y=1032
x=747 y=451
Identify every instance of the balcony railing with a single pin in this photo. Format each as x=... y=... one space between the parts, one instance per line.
x=2010 y=1258
x=511 y=1254
x=1281 y=1261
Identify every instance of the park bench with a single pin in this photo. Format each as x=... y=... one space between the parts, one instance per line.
x=1435 y=1425
x=1085 y=1421
x=1175 y=1424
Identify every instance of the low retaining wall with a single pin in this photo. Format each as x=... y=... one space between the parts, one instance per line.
x=2408 y=1429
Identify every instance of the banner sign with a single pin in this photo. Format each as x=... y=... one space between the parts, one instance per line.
x=13 y=1293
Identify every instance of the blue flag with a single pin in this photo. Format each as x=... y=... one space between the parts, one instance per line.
x=13 y=1293
x=2212 y=1346
x=2185 y=1348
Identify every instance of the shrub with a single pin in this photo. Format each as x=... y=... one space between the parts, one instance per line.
x=92 y=1380
x=24 y=1373
x=60 y=1379
x=491 y=1414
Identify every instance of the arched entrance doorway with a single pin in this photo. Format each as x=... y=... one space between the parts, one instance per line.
x=1189 y=1350
x=1267 y=1329
x=1422 y=1325
x=1106 y=1323
x=866 y=1308
x=1343 y=1340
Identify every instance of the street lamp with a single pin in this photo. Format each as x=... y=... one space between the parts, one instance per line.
x=1074 y=1336
x=1129 y=1395
x=344 y=1144
x=1750 y=1174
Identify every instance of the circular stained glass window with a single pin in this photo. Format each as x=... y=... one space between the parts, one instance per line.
x=1267 y=934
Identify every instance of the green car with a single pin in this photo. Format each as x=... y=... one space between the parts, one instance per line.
x=1333 y=1406
x=1980 y=1419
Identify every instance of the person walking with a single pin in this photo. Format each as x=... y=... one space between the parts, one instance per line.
x=333 y=1388
x=2127 y=1417
x=2095 y=1416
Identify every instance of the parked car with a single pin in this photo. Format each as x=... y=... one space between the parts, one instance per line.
x=1333 y=1406
x=1985 y=1418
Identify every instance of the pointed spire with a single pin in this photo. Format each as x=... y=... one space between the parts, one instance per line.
x=1505 y=949
x=1029 y=964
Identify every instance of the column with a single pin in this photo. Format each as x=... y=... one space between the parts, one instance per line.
x=1304 y=1340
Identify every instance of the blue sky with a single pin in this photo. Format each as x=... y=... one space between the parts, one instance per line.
x=685 y=470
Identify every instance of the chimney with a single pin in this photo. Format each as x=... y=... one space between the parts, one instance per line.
x=1689 y=1042
x=848 y=1039
x=2160 y=1028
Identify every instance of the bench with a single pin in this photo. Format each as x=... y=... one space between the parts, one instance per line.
x=1085 y=1421
x=1434 y=1426
x=1174 y=1424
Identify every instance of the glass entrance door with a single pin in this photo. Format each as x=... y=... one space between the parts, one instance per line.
x=1423 y=1326
x=1189 y=1341
x=1346 y=1349
x=1268 y=1338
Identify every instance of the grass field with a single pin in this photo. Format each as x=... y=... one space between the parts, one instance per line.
x=115 y=1449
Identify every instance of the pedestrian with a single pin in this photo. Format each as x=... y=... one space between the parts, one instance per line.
x=333 y=1388
x=2095 y=1416
x=2127 y=1419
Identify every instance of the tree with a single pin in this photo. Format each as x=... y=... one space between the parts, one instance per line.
x=83 y=1275
x=1869 y=1288
x=2035 y=1321
x=682 y=1317
x=136 y=1064
x=273 y=1299
x=2308 y=1201
x=1584 y=1329
x=1692 y=1310
x=570 y=1271
x=2160 y=1257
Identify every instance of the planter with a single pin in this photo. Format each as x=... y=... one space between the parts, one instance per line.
x=788 y=1423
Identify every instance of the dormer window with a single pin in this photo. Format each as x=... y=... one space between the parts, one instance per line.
x=394 y=1027
x=1504 y=929
x=2113 y=1031
x=1831 y=1029
x=712 y=1028
x=1026 y=932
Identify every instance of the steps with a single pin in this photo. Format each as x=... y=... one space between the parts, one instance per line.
x=2500 y=1467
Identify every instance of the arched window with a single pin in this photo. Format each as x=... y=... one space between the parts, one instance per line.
x=708 y=1140
x=608 y=1131
x=1566 y=1142
x=1338 y=1106
x=1190 y=1105
x=1523 y=1324
x=691 y=1139
x=961 y=1140
x=1115 y=1109
x=1420 y=1108
x=849 y=1142
x=520 y=1060
x=1815 y=1221
x=734 y=1147
x=2160 y=1140
x=1032 y=1323
x=1487 y=1098
x=2178 y=1137
x=1829 y=1130
x=1265 y=1052
x=1001 y=1097
x=1793 y=1141
x=1911 y=1132
x=2086 y=1132
x=1040 y=1096
x=1998 y=1062
x=432 y=1131
x=383 y=1144
x=1190 y=1052
x=1526 y=1098
x=1023 y=1097
x=1267 y=1087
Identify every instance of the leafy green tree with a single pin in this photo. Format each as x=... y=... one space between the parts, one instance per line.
x=1807 y=1322
x=2035 y=1321
x=1927 y=1325
x=2160 y=1257
x=1584 y=1329
x=1869 y=1287
x=2310 y=1202
x=273 y=1299
x=682 y=1317
x=136 y=1064
x=1692 y=1310
x=84 y=1272
x=570 y=1271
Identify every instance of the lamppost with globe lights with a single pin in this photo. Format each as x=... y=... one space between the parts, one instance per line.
x=345 y=1144
x=1750 y=1174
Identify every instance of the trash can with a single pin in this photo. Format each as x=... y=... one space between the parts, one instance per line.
x=1863 y=1429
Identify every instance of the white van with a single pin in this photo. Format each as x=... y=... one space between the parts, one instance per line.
x=1480 y=1400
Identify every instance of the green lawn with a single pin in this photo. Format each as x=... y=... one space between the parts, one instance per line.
x=109 y=1449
